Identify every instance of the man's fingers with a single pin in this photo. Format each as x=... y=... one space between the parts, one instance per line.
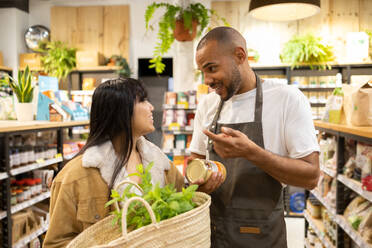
x=229 y=131
x=211 y=135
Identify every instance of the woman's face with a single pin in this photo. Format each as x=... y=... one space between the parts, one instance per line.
x=143 y=122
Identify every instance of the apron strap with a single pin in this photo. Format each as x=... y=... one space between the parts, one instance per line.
x=258 y=107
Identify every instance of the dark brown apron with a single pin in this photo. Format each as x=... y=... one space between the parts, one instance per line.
x=247 y=209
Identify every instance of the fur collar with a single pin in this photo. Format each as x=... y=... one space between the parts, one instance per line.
x=103 y=157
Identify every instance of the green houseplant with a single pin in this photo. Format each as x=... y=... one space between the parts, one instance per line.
x=309 y=50
x=177 y=23
x=24 y=92
x=118 y=60
x=57 y=59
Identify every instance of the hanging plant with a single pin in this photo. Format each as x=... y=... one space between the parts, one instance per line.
x=118 y=60
x=309 y=50
x=177 y=22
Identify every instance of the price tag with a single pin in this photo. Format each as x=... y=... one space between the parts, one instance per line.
x=40 y=161
x=174 y=127
x=58 y=155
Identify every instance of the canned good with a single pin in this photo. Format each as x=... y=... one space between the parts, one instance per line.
x=202 y=169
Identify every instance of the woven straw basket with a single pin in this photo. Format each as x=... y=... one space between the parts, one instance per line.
x=190 y=229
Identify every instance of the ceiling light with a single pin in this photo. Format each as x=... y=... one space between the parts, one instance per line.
x=280 y=10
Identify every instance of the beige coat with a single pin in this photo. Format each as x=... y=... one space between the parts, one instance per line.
x=78 y=195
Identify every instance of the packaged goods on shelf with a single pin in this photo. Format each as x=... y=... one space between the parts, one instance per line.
x=171 y=98
x=7 y=111
x=334 y=107
x=180 y=141
x=359 y=215
x=363 y=160
x=89 y=83
x=327 y=152
x=168 y=117
x=28 y=221
x=181 y=117
x=168 y=141
x=357 y=101
x=46 y=178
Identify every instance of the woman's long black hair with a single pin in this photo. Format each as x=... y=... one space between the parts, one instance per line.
x=111 y=115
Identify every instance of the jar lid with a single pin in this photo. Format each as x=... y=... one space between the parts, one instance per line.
x=196 y=170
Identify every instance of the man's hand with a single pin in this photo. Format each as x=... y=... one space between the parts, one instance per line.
x=214 y=181
x=231 y=143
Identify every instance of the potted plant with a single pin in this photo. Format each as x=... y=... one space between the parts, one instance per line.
x=24 y=91
x=57 y=59
x=307 y=50
x=179 y=23
x=118 y=60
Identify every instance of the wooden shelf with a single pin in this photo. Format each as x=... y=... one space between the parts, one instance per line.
x=360 y=131
x=4 y=68
x=81 y=69
x=96 y=68
x=14 y=126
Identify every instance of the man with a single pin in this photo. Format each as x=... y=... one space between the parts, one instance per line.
x=264 y=135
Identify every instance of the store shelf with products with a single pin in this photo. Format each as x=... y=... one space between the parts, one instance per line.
x=29 y=203
x=39 y=164
x=328 y=171
x=24 y=178
x=26 y=240
x=319 y=229
x=351 y=232
x=355 y=186
x=177 y=125
x=341 y=144
x=307 y=243
x=3 y=175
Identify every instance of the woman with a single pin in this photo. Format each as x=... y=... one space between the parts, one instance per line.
x=120 y=116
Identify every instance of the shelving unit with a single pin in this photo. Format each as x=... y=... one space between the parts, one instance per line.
x=340 y=131
x=7 y=129
x=21 y=243
x=81 y=71
x=318 y=228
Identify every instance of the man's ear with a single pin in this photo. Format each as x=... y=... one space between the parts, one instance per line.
x=240 y=55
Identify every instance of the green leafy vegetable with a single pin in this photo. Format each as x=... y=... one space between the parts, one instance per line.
x=166 y=202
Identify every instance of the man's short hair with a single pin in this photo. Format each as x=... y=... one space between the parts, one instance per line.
x=225 y=36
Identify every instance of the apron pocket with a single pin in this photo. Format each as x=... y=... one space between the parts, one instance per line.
x=247 y=233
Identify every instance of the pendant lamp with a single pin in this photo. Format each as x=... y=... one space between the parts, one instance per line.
x=280 y=10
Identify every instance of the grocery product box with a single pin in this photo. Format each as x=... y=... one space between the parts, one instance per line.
x=30 y=59
x=89 y=59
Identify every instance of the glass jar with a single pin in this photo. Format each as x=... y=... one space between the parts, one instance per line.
x=202 y=169
x=31 y=154
x=24 y=156
x=20 y=195
x=13 y=198
x=16 y=158
x=38 y=186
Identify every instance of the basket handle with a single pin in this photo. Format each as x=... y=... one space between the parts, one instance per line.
x=126 y=182
x=125 y=211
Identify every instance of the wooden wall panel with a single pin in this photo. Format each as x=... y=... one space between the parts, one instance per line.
x=90 y=28
x=365 y=15
x=116 y=30
x=64 y=24
x=96 y=28
x=335 y=20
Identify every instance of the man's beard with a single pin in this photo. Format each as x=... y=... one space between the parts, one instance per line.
x=235 y=83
